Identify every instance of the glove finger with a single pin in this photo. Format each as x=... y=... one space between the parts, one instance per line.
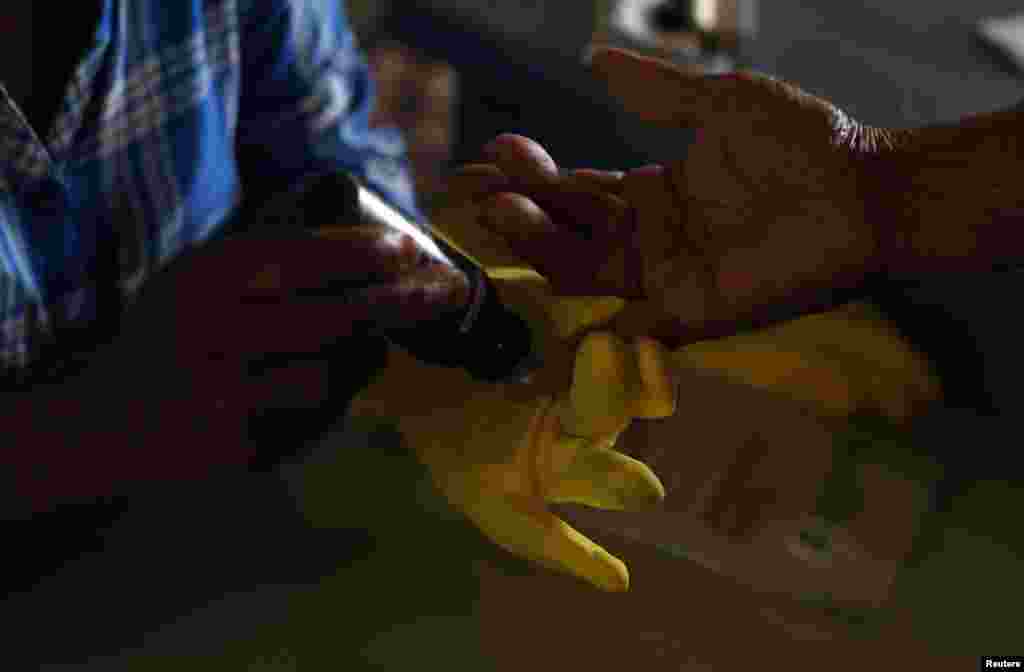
x=603 y=378
x=658 y=394
x=524 y=527
x=607 y=479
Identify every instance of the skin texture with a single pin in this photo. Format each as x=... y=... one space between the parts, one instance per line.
x=950 y=197
x=766 y=216
x=783 y=206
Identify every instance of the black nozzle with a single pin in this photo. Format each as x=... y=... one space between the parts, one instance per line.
x=487 y=339
x=498 y=345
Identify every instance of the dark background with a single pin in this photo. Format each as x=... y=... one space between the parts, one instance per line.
x=221 y=566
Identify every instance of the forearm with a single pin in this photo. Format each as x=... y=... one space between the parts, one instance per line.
x=952 y=194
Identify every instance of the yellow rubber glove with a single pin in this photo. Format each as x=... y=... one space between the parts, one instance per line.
x=844 y=361
x=500 y=453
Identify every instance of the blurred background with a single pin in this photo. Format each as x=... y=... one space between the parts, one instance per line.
x=911 y=397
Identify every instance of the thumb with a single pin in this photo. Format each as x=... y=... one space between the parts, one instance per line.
x=654 y=90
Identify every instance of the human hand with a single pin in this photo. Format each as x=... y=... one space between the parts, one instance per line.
x=548 y=216
x=234 y=331
x=767 y=216
x=251 y=323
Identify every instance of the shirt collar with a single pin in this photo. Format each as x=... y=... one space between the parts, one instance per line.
x=26 y=158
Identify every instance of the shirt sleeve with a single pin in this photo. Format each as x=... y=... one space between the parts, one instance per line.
x=305 y=102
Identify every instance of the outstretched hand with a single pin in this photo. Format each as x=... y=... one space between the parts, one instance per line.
x=767 y=215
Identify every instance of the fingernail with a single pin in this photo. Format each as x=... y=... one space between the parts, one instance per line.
x=407 y=255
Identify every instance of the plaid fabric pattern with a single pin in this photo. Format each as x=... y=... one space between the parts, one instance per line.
x=147 y=154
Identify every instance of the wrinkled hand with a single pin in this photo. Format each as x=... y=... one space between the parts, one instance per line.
x=236 y=333
x=767 y=214
x=501 y=453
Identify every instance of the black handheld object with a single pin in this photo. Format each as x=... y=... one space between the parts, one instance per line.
x=484 y=337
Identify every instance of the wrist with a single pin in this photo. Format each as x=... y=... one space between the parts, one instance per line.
x=883 y=172
x=946 y=198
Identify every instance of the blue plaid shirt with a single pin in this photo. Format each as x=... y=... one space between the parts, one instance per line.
x=145 y=156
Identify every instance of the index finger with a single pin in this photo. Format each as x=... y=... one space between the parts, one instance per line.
x=530 y=531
